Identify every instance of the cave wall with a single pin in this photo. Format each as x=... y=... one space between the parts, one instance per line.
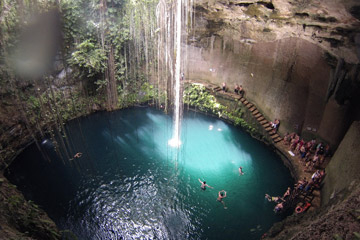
x=343 y=169
x=287 y=79
x=297 y=60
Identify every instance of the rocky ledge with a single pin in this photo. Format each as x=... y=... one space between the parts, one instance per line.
x=333 y=25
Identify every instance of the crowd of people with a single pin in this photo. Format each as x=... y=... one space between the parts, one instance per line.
x=302 y=189
x=311 y=153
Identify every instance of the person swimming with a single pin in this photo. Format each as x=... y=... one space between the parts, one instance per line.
x=77 y=155
x=279 y=207
x=240 y=171
x=272 y=199
x=204 y=185
x=221 y=195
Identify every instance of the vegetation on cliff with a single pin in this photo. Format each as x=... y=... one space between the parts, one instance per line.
x=64 y=59
x=197 y=96
x=61 y=60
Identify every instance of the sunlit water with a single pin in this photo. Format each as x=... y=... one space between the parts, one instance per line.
x=130 y=184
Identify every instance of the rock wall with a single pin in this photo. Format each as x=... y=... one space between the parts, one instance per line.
x=337 y=221
x=343 y=169
x=278 y=52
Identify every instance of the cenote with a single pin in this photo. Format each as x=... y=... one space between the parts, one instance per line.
x=130 y=184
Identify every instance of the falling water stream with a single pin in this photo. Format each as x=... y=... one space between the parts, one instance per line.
x=171 y=17
x=175 y=141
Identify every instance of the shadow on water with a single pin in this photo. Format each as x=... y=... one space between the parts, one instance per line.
x=129 y=183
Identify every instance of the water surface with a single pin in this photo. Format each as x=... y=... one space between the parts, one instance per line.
x=130 y=184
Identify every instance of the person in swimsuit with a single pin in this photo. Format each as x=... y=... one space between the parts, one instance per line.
x=240 y=171
x=204 y=185
x=287 y=193
x=221 y=195
x=279 y=207
x=77 y=155
x=272 y=199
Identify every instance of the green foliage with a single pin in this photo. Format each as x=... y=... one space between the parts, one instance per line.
x=14 y=202
x=90 y=58
x=337 y=237
x=101 y=84
x=197 y=96
x=34 y=103
x=69 y=107
x=76 y=28
x=147 y=92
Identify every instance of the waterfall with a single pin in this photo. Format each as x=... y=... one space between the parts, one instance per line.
x=172 y=19
x=175 y=141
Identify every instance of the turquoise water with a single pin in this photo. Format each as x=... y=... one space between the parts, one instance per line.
x=130 y=184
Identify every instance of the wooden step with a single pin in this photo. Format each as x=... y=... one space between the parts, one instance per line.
x=217 y=88
x=255 y=112
x=252 y=109
x=277 y=139
x=275 y=136
x=268 y=129
x=249 y=105
x=264 y=121
x=272 y=133
x=245 y=102
x=260 y=118
x=258 y=115
x=266 y=125
x=242 y=99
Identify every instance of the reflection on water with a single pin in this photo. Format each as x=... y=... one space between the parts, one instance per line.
x=130 y=184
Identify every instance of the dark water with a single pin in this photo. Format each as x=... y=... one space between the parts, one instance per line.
x=130 y=184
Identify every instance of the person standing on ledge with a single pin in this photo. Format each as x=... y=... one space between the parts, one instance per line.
x=224 y=87
x=204 y=185
x=221 y=195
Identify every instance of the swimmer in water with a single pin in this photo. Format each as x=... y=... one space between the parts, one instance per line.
x=273 y=199
x=204 y=185
x=221 y=195
x=77 y=155
x=240 y=171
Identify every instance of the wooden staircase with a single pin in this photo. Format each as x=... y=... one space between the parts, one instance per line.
x=256 y=114
x=252 y=108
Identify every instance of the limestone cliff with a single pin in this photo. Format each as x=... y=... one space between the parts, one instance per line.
x=297 y=60
x=343 y=170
